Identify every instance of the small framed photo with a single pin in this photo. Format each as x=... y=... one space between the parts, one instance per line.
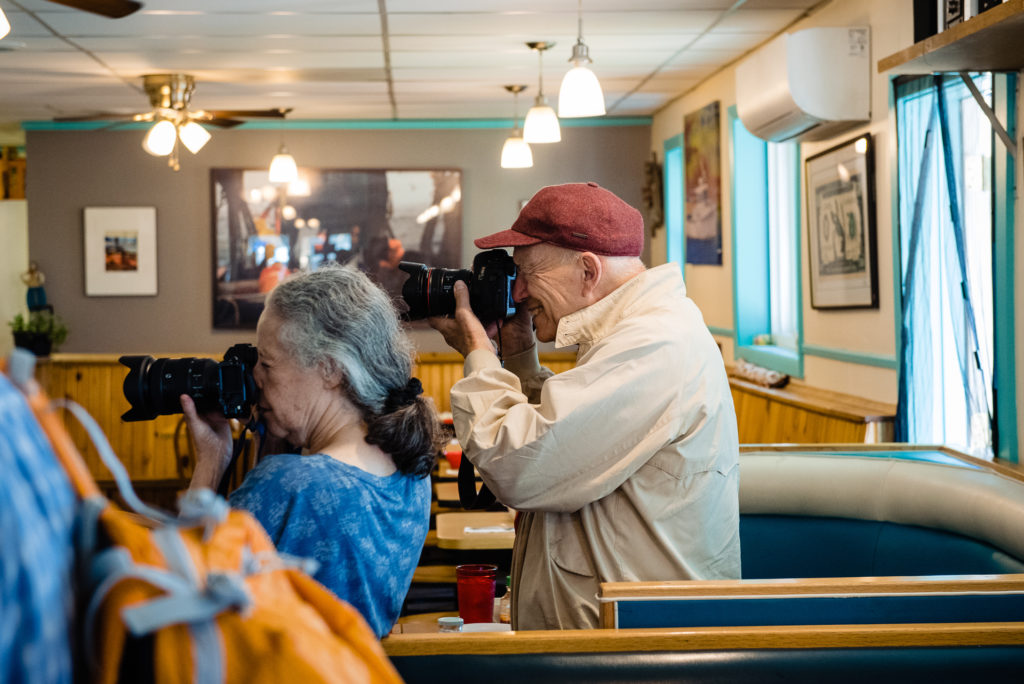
x=841 y=226
x=120 y=251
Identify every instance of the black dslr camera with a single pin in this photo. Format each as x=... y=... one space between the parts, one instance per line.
x=154 y=385
x=428 y=291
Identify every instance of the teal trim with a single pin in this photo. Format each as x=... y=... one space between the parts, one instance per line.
x=769 y=356
x=798 y=371
x=894 y=208
x=751 y=288
x=721 y=332
x=1004 y=181
x=351 y=124
x=672 y=193
x=860 y=358
x=673 y=142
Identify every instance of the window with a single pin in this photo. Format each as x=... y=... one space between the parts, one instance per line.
x=949 y=242
x=766 y=249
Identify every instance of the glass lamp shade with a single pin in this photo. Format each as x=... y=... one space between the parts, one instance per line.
x=516 y=153
x=193 y=136
x=5 y=26
x=541 y=125
x=160 y=140
x=580 y=94
x=283 y=168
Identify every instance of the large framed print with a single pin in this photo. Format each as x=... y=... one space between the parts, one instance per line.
x=368 y=218
x=841 y=226
x=702 y=225
x=120 y=251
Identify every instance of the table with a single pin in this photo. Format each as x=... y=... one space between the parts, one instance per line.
x=451 y=530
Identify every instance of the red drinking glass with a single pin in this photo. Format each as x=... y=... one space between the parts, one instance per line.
x=475 y=584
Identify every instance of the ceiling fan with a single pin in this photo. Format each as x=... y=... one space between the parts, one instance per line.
x=169 y=95
x=115 y=9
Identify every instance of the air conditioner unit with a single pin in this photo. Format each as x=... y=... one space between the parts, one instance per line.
x=807 y=85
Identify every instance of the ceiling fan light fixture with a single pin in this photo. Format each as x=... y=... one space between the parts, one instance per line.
x=160 y=139
x=193 y=136
x=5 y=26
x=283 y=168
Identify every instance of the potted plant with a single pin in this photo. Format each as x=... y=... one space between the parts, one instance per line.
x=40 y=332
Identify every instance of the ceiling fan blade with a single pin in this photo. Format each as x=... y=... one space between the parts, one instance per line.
x=219 y=121
x=104 y=116
x=248 y=113
x=115 y=9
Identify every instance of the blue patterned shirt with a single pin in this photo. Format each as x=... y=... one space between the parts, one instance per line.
x=36 y=515
x=366 y=531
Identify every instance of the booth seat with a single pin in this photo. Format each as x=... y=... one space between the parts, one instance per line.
x=890 y=653
x=877 y=511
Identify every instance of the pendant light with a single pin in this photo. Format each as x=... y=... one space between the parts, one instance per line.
x=5 y=26
x=580 y=94
x=541 y=124
x=516 y=154
x=282 y=167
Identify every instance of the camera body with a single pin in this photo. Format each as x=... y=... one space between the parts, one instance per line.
x=429 y=291
x=153 y=386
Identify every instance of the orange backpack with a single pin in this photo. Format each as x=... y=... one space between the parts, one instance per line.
x=202 y=597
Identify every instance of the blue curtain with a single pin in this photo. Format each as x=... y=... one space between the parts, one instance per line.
x=945 y=370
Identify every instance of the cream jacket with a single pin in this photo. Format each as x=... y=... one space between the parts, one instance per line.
x=626 y=468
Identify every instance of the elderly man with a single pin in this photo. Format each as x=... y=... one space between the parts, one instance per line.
x=624 y=468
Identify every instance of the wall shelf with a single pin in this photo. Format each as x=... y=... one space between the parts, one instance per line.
x=991 y=41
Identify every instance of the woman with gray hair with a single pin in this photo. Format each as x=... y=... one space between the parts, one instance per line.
x=334 y=375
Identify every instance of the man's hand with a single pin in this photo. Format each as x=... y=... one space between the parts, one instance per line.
x=517 y=333
x=211 y=440
x=464 y=332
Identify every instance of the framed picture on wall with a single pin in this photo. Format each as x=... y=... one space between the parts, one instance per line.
x=120 y=251
x=702 y=225
x=368 y=218
x=841 y=226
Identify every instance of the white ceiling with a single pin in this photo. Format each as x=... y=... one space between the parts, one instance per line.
x=370 y=59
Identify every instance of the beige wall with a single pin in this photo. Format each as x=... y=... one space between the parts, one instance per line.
x=13 y=262
x=69 y=171
x=869 y=331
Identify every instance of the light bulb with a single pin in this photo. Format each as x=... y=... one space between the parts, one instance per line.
x=160 y=140
x=193 y=136
x=283 y=168
x=541 y=125
x=5 y=26
x=516 y=153
x=580 y=94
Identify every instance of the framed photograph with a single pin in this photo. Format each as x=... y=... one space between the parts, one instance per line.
x=369 y=218
x=120 y=251
x=841 y=226
x=703 y=223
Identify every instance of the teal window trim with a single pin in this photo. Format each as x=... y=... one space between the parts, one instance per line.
x=751 y=288
x=1005 y=378
x=673 y=192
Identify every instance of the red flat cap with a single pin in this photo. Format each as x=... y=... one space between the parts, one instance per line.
x=580 y=216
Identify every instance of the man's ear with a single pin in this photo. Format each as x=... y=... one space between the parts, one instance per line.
x=592 y=270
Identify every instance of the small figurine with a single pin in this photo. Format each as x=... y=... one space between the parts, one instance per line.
x=34 y=278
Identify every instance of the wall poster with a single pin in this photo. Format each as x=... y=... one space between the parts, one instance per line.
x=368 y=218
x=703 y=223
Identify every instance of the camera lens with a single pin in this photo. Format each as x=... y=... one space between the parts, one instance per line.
x=429 y=291
x=153 y=386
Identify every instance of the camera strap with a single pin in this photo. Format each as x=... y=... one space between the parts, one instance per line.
x=469 y=497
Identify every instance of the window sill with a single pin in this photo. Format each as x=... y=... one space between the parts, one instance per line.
x=773 y=358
